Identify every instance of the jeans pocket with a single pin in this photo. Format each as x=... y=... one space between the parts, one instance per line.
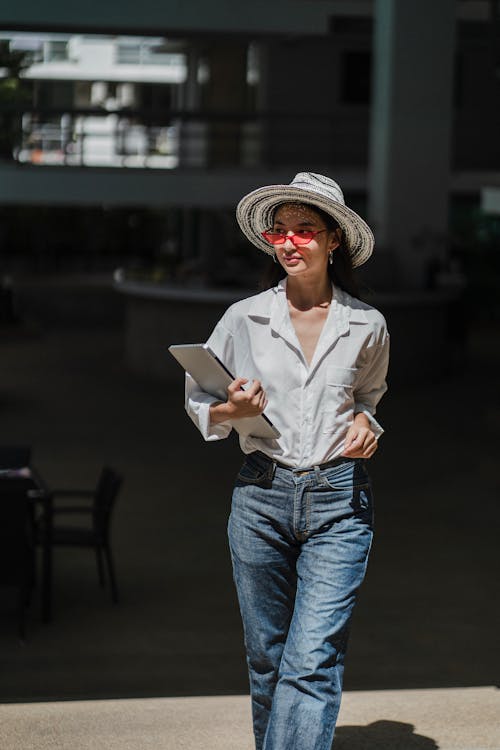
x=349 y=475
x=347 y=491
x=342 y=486
x=254 y=471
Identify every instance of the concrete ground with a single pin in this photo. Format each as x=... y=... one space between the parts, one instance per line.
x=451 y=719
x=427 y=618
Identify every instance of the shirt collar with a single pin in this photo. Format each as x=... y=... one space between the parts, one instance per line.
x=273 y=307
x=352 y=306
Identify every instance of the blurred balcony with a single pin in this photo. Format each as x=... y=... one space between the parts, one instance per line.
x=199 y=158
x=132 y=138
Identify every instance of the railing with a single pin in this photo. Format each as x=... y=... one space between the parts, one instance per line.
x=144 y=54
x=138 y=138
x=96 y=139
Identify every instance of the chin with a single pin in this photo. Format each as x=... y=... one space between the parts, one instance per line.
x=295 y=270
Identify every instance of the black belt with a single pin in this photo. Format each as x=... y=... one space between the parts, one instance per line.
x=327 y=465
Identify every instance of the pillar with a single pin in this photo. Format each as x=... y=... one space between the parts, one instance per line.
x=225 y=92
x=411 y=128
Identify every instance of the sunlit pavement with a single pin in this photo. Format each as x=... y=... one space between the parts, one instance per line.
x=451 y=719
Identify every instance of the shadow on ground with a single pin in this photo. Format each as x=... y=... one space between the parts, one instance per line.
x=382 y=735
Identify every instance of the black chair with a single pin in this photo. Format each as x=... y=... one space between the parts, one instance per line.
x=96 y=533
x=17 y=544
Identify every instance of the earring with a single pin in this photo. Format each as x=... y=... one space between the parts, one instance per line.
x=274 y=258
x=330 y=257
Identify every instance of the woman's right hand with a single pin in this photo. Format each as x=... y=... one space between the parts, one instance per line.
x=240 y=403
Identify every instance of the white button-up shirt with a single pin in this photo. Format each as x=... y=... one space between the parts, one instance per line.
x=312 y=405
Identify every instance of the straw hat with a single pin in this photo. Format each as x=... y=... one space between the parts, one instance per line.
x=255 y=212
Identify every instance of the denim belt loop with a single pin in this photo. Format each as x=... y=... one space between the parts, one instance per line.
x=317 y=472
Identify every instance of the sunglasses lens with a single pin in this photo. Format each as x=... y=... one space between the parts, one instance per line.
x=278 y=238
x=274 y=238
x=303 y=238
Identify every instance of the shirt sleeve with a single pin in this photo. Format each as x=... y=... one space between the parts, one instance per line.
x=372 y=385
x=197 y=402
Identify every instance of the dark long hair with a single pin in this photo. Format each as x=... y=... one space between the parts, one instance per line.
x=340 y=270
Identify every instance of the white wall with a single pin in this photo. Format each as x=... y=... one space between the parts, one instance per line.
x=93 y=58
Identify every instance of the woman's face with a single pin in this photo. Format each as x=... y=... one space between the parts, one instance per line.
x=311 y=258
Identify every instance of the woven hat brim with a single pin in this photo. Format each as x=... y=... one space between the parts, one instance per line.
x=255 y=211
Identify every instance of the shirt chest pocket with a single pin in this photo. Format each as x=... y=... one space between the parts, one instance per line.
x=339 y=397
x=341 y=377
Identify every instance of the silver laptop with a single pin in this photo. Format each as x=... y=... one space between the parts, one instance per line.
x=214 y=377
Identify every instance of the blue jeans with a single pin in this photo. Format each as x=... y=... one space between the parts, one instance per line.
x=299 y=545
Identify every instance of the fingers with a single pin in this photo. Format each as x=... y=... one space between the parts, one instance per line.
x=360 y=443
x=254 y=389
x=257 y=395
x=262 y=400
x=370 y=450
x=352 y=443
x=249 y=401
x=236 y=385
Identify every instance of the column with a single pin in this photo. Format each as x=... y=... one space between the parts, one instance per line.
x=225 y=92
x=411 y=127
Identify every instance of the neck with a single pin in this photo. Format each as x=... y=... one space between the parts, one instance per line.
x=304 y=293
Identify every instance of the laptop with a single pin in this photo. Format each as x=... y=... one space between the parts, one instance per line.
x=213 y=377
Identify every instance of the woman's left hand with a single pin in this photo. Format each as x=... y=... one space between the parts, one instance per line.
x=360 y=441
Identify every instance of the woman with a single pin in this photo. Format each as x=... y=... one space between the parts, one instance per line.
x=300 y=527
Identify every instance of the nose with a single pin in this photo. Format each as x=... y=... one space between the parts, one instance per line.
x=288 y=244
